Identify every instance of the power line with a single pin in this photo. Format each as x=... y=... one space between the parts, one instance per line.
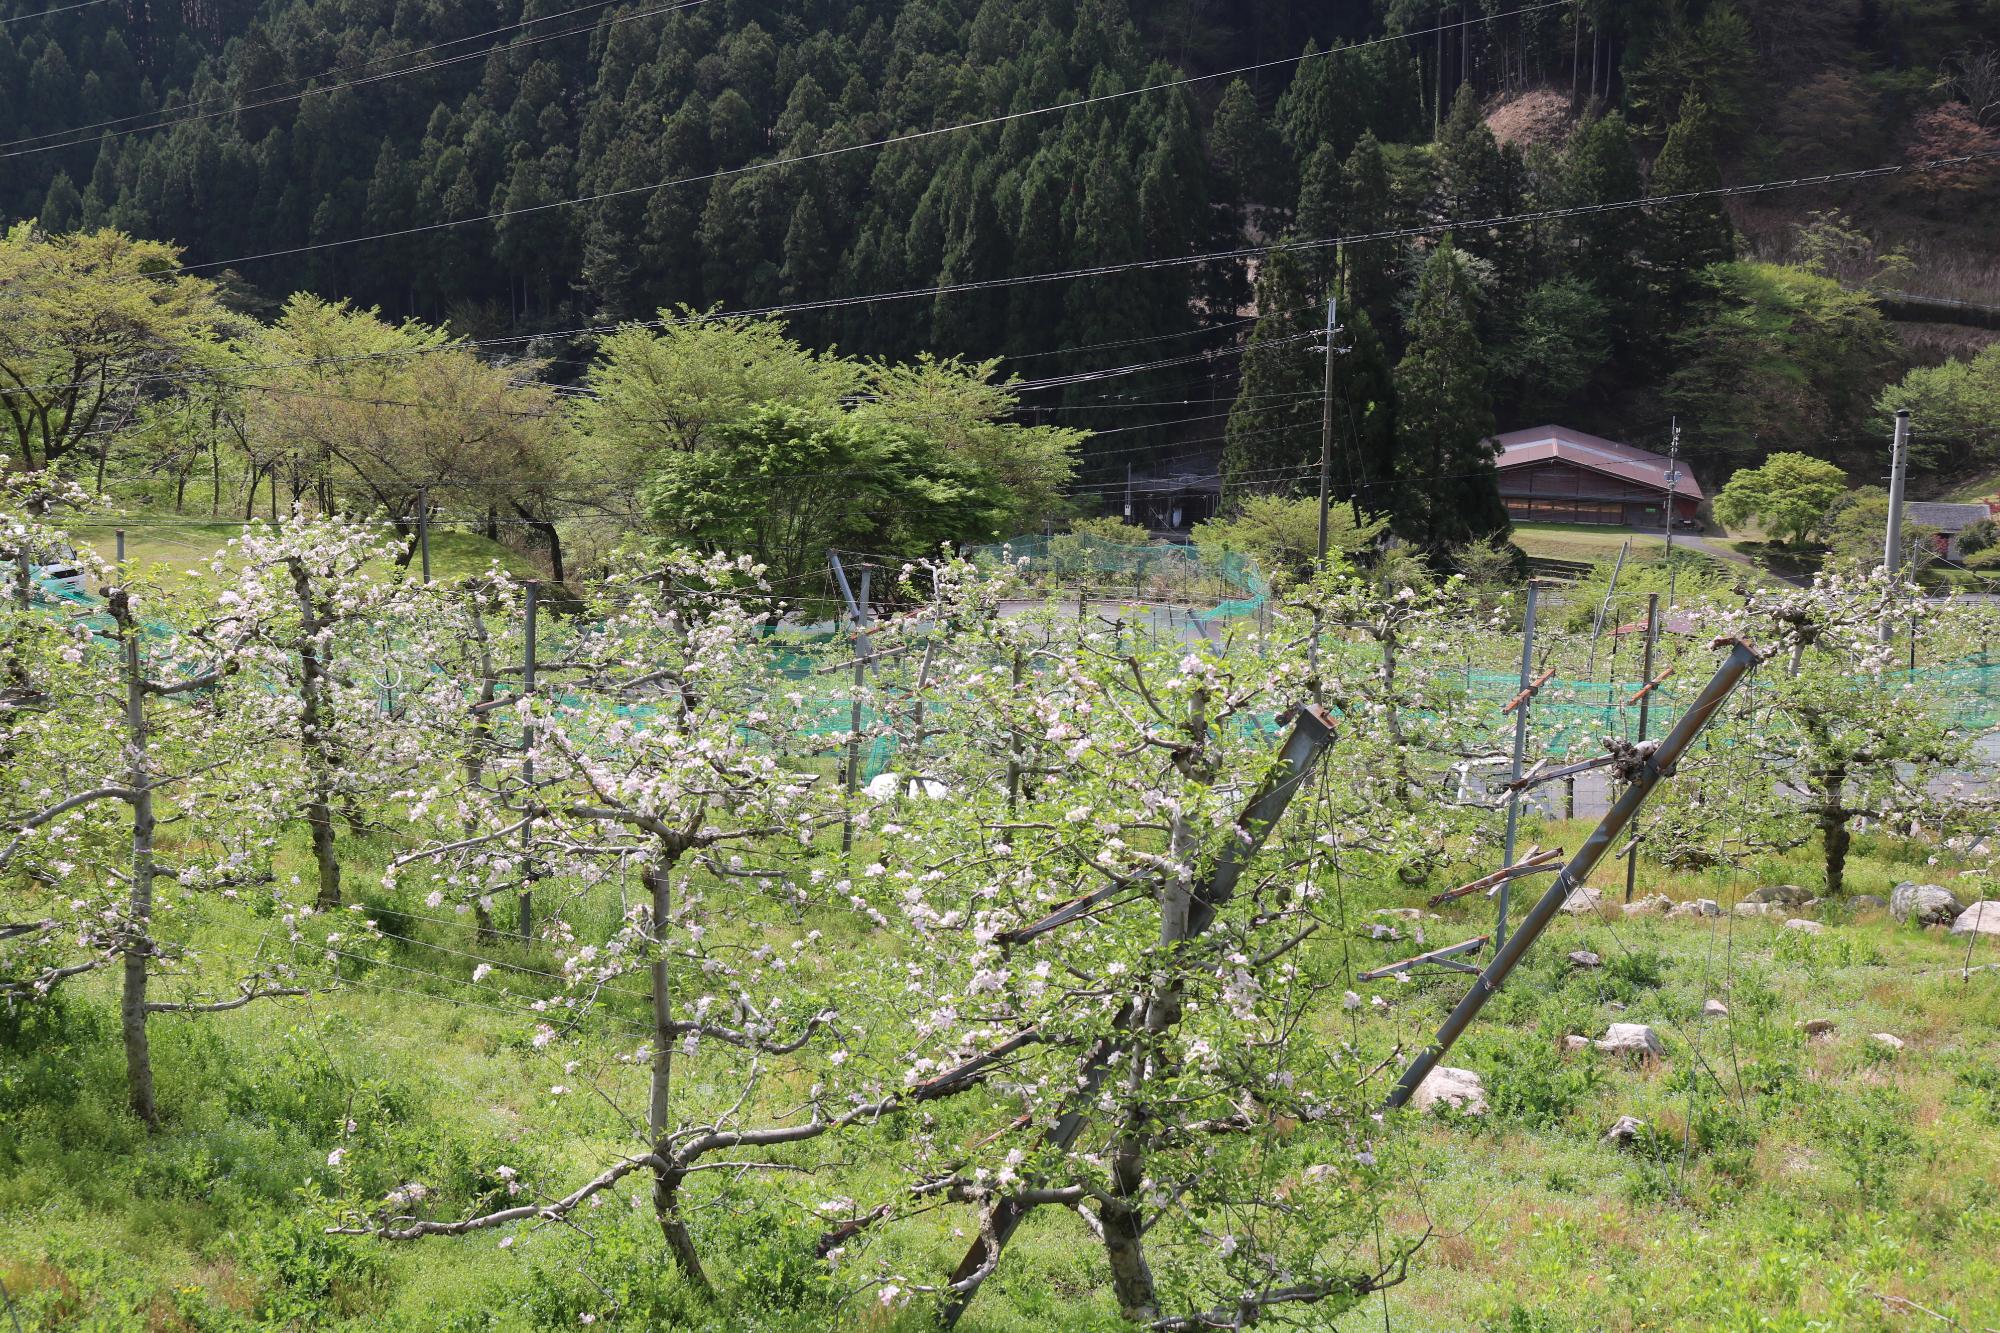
x=1411 y=232
x=60 y=9
x=170 y=118
x=913 y=136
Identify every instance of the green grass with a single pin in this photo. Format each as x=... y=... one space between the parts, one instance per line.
x=187 y=543
x=1817 y=1177
x=1579 y=541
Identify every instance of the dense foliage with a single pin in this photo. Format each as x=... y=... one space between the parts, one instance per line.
x=502 y=168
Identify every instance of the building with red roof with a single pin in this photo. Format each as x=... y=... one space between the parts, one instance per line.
x=1552 y=474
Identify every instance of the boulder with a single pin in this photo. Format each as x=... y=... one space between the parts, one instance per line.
x=1927 y=904
x=1791 y=895
x=1982 y=918
x=1576 y=1043
x=1800 y=923
x=1888 y=1039
x=1624 y=1131
x=1816 y=1027
x=1635 y=1039
x=1714 y=1009
x=1616 y=1006
x=1584 y=959
x=1759 y=909
x=1400 y=913
x=1699 y=907
x=1863 y=903
x=1458 y=1088
x=1651 y=905
x=1585 y=899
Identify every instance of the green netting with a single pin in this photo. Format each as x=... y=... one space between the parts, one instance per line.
x=1224 y=587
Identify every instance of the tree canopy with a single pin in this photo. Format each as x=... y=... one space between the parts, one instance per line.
x=1789 y=493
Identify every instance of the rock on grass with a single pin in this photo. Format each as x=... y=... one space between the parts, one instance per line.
x=1982 y=918
x=1458 y=1088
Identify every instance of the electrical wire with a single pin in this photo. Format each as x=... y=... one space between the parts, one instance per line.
x=1412 y=232
x=42 y=14
x=870 y=145
x=170 y=118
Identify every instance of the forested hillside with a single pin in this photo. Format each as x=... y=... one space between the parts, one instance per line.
x=509 y=168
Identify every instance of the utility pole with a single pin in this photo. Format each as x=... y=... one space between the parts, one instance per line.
x=1892 y=547
x=1326 y=431
x=1673 y=485
x=1673 y=482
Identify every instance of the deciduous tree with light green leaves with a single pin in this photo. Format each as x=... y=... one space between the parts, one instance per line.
x=660 y=391
x=1955 y=410
x=1788 y=494
x=1282 y=535
x=1777 y=357
x=81 y=315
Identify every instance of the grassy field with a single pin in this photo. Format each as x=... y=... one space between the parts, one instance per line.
x=179 y=543
x=1782 y=1182
x=1580 y=541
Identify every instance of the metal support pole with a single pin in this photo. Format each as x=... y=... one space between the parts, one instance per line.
x=1520 y=751
x=530 y=615
x=854 y=712
x=1741 y=658
x=1326 y=436
x=1892 y=546
x=840 y=581
x=1603 y=607
x=120 y=537
x=1014 y=747
x=1645 y=706
x=424 y=529
x=1311 y=734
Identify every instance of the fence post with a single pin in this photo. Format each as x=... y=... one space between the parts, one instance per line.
x=1014 y=746
x=1520 y=752
x=854 y=711
x=424 y=529
x=530 y=614
x=1645 y=707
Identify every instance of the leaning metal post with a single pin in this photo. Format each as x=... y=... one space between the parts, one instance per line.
x=1657 y=765
x=1312 y=733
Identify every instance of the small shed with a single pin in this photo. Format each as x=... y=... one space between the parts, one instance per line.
x=1948 y=520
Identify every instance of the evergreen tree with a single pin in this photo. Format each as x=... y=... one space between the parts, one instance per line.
x=1322 y=213
x=62 y=208
x=1369 y=270
x=1272 y=439
x=1476 y=177
x=1599 y=167
x=1245 y=155
x=1446 y=485
x=1687 y=235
